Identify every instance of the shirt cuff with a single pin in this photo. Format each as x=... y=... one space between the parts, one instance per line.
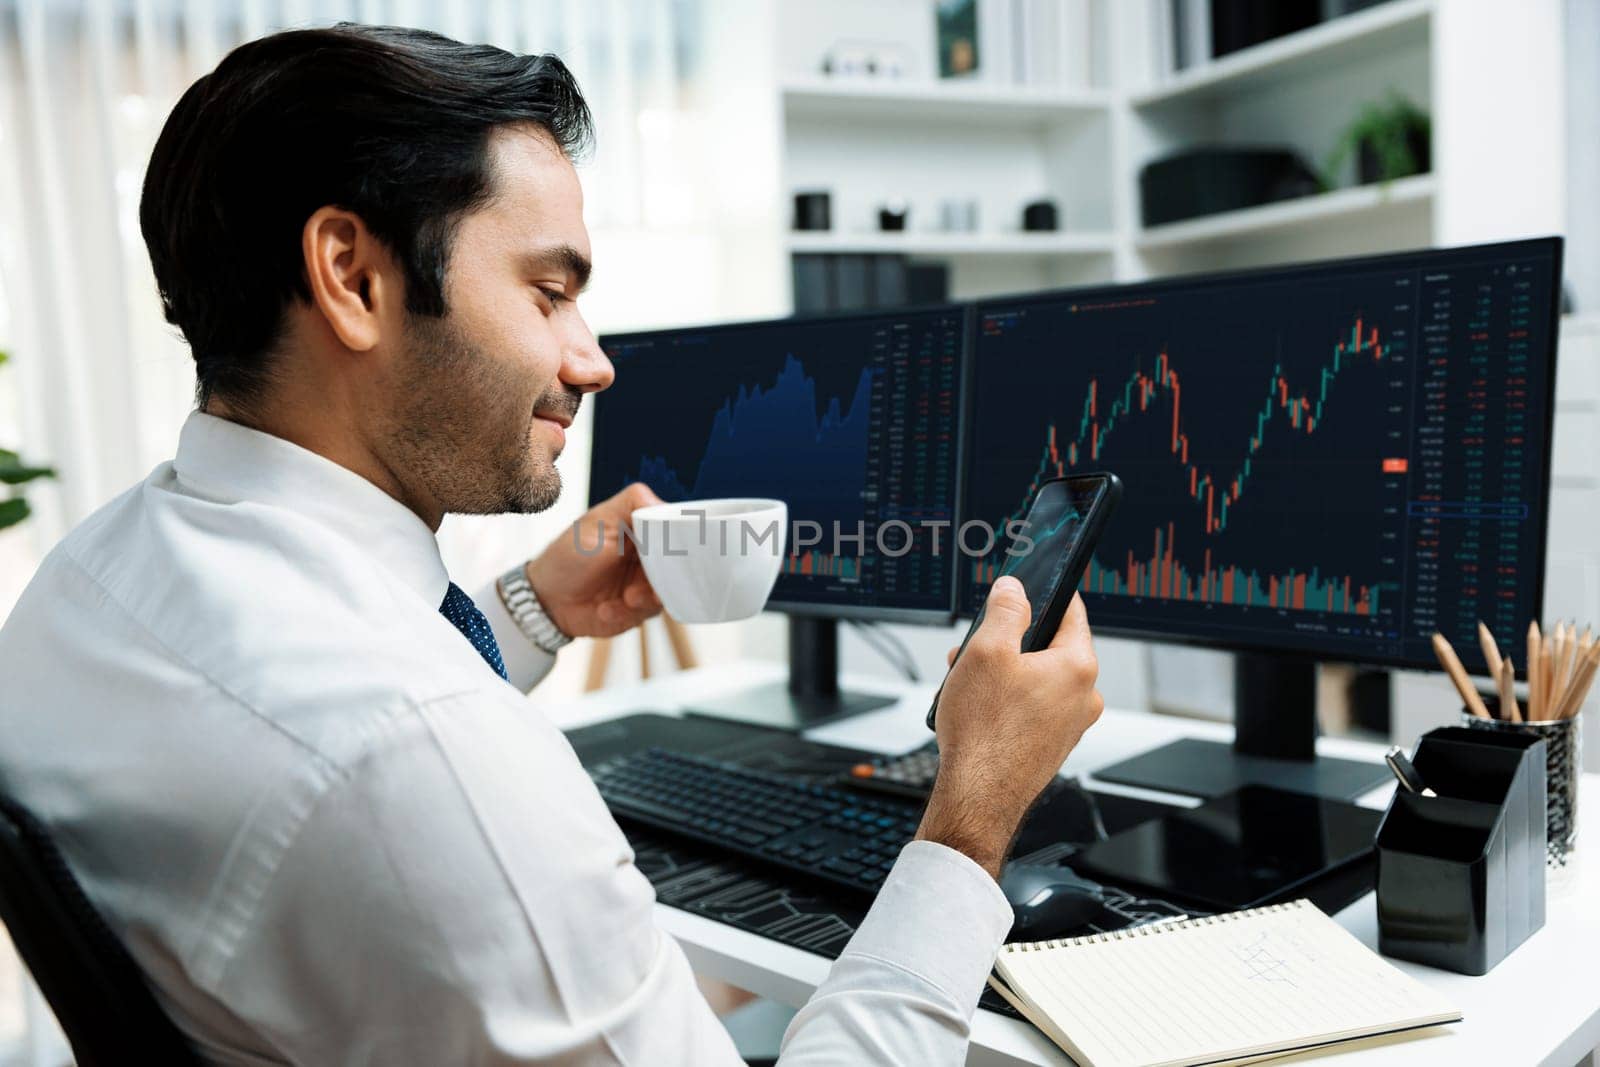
x=940 y=916
x=526 y=663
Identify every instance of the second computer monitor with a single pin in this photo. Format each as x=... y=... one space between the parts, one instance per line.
x=853 y=421
x=1335 y=460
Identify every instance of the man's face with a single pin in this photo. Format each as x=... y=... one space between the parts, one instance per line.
x=487 y=391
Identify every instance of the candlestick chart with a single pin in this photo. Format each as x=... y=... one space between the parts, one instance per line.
x=1285 y=443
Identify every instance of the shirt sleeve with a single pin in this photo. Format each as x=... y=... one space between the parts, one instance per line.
x=905 y=988
x=526 y=663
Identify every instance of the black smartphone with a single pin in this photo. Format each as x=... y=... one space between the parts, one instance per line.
x=1049 y=551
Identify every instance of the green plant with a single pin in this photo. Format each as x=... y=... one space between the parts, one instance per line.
x=1391 y=129
x=14 y=473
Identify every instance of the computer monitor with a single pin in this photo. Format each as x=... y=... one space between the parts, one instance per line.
x=852 y=420
x=1328 y=461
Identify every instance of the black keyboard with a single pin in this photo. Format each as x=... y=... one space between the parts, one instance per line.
x=837 y=835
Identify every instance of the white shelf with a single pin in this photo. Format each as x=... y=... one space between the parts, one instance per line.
x=898 y=101
x=1337 y=43
x=1340 y=206
x=956 y=244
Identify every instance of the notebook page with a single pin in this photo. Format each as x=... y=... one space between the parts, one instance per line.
x=1194 y=992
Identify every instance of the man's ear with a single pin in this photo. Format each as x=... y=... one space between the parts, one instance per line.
x=350 y=275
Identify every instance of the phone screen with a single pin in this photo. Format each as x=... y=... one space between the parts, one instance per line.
x=1041 y=554
x=1046 y=551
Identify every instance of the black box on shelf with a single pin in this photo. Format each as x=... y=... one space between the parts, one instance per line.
x=1461 y=874
x=831 y=281
x=927 y=283
x=813 y=283
x=1204 y=181
x=813 y=211
x=854 y=283
x=889 y=280
x=1237 y=24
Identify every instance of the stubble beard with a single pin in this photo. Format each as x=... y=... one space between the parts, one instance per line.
x=468 y=467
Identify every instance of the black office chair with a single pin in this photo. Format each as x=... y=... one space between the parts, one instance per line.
x=95 y=989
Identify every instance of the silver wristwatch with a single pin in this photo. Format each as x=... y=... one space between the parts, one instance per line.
x=526 y=611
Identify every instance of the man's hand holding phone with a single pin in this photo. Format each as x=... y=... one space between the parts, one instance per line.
x=1006 y=721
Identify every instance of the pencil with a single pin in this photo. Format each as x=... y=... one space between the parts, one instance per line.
x=1552 y=648
x=1565 y=646
x=1573 y=702
x=1580 y=692
x=1581 y=658
x=1535 y=662
x=1458 y=674
x=1546 y=674
x=1508 y=693
x=1491 y=651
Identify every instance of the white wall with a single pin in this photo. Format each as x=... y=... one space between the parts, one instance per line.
x=1583 y=153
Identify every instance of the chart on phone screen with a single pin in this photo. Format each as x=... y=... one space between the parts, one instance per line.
x=1295 y=451
x=852 y=422
x=1035 y=554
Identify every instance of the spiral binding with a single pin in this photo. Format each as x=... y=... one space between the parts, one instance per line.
x=1155 y=928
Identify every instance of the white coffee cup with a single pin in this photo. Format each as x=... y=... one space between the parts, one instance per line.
x=712 y=560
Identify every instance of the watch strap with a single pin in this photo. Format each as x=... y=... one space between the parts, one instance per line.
x=526 y=611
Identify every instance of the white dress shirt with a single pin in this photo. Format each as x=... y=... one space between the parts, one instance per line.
x=330 y=834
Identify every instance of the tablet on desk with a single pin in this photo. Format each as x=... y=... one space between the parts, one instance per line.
x=1247 y=848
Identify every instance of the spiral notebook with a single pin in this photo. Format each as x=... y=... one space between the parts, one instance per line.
x=1225 y=989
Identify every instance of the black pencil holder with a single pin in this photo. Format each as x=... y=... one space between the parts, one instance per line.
x=1563 y=757
x=1461 y=875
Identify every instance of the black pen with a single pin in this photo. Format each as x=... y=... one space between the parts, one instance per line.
x=1403 y=770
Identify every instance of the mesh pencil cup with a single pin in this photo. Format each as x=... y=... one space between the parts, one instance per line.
x=1563 y=743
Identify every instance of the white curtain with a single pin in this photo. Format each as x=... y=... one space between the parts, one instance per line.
x=681 y=200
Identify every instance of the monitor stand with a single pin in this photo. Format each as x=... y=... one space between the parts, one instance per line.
x=811 y=696
x=1275 y=743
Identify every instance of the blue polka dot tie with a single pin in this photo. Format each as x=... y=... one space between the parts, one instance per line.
x=474 y=626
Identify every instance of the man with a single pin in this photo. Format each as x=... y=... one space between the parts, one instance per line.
x=278 y=745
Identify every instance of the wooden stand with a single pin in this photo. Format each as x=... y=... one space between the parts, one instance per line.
x=600 y=653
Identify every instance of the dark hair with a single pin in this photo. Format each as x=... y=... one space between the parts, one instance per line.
x=392 y=124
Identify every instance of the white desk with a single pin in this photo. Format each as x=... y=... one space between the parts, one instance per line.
x=1541 y=1005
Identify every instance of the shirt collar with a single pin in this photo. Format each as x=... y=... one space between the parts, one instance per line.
x=224 y=460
